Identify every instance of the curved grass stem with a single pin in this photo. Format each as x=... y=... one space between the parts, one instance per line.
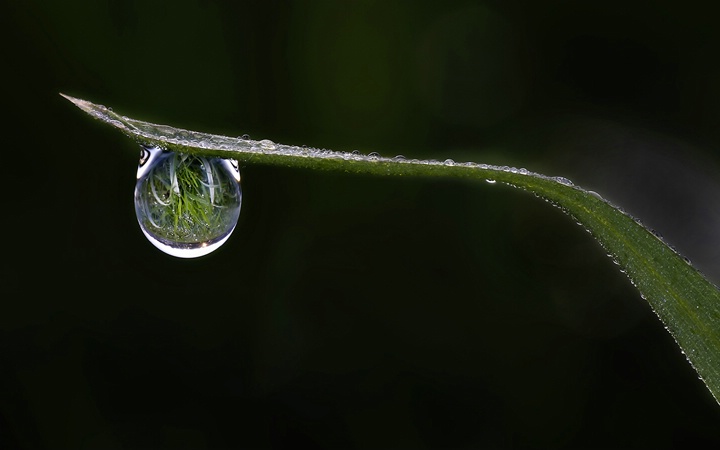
x=686 y=302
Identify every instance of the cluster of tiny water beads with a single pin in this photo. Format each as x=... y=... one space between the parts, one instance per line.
x=186 y=205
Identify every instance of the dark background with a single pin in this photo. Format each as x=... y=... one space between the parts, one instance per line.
x=350 y=311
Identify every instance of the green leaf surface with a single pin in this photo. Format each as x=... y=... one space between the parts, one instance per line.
x=686 y=302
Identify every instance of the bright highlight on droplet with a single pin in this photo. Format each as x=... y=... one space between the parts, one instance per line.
x=187 y=206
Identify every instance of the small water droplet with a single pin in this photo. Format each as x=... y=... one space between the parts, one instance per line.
x=491 y=181
x=186 y=205
x=399 y=158
x=245 y=137
x=373 y=155
x=564 y=181
x=355 y=152
x=449 y=162
x=267 y=144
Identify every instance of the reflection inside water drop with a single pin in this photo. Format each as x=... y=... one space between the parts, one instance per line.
x=186 y=205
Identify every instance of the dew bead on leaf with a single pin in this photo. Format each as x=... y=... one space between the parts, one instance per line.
x=186 y=205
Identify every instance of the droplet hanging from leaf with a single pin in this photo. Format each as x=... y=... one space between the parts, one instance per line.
x=186 y=205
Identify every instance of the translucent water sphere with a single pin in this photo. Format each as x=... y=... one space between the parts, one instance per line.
x=187 y=206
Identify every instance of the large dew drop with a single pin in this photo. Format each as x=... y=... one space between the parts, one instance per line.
x=187 y=206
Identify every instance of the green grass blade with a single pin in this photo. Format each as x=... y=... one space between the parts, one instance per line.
x=686 y=303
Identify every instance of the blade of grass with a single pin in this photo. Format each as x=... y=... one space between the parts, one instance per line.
x=686 y=302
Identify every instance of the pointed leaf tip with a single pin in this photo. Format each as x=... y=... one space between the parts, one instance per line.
x=69 y=98
x=80 y=103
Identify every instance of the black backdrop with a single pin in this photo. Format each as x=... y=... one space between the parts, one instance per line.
x=351 y=311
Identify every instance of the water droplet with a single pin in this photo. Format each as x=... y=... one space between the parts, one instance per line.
x=267 y=144
x=186 y=205
x=491 y=181
x=449 y=162
x=373 y=155
x=564 y=181
x=245 y=137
